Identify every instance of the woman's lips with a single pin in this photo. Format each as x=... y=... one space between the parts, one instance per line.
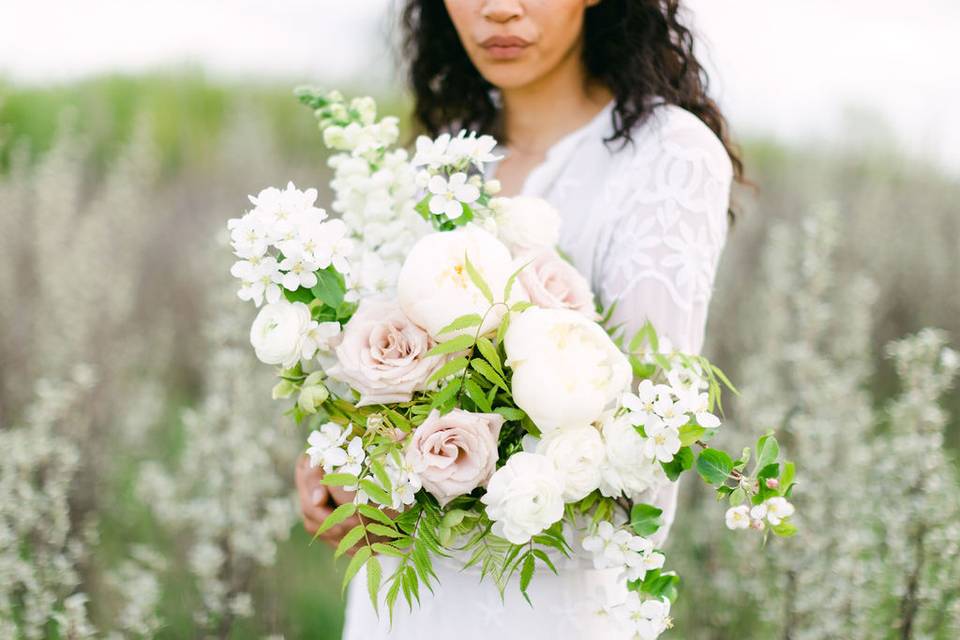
x=505 y=47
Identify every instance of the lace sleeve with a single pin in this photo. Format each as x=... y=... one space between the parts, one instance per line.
x=658 y=255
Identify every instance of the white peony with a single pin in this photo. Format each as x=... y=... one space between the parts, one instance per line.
x=524 y=497
x=526 y=223
x=434 y=287
x=566 y=369
x=578 y=454
x=278 y=331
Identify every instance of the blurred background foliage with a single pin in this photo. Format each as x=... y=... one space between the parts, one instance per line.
x=164 y=506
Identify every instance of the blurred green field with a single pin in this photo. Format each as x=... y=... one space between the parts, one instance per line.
x=160 y=161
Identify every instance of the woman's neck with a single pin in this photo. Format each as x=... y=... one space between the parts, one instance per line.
x=536 y=115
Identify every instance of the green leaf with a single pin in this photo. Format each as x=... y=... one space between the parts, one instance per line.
x=359 y=558
x=502 y=329
x=738 y=497
x=375 y=491
x=786 y=479
x=338 y=515
x=475 y=393
x=388 y=550
x=768 y=450
x=477 y=279
x=453 y=345
x=714 y=466
x=330 y=287
x=463 y=322
x=483 y=368
x=453 y=518
x=381 y=474
x=511 y=414
x=720 y=374
x=520 y=306
x=381 y=530
x=508 y=287
x=398 y=419
x=300 y=295
x=351 y=538
x=446 y=394
x=374 y=575
x=339 y=480
x=488 y=351
x=690 y=433
x=526 y=575
x=372 y=513
x=784 y=529
x=645 y=519
x=682 y=461
x=454 y=366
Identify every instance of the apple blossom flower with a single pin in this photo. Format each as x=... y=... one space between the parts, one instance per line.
x=662 y=441
x=738 y=517
x=449 y=196
x=778 y=508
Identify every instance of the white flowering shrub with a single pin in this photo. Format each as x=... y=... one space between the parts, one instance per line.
x=866 y=565
x=224 y=498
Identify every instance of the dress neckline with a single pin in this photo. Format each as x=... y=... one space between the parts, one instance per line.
x=554 y=151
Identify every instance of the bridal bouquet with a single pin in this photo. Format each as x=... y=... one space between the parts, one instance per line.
x=455 y=371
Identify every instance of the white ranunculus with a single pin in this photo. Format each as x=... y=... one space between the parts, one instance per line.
x=434 y=287
x=277 y=332
x=628 y=470
x=566 y=369
x=526 y=223
x=578 y=454
x=524 y=497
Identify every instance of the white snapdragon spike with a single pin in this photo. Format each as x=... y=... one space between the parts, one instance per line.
x=738 y=517
x=778 y=509
x=449 y=195
x=326 y=446
x=663 y=440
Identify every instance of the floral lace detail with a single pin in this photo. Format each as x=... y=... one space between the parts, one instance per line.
x=672 y=197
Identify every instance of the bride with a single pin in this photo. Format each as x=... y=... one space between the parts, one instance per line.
x=600 y=107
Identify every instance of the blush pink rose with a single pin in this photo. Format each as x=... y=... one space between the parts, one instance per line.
x=553 y=283
x=455 y=453
x=382 y=354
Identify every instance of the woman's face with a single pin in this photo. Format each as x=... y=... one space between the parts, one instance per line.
x=514 y=43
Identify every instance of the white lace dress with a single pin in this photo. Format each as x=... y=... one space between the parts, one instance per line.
x=645 y=224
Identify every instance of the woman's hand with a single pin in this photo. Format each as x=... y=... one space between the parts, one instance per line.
x=317 y=501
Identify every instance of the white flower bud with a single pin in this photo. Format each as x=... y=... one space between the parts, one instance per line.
x=492 y=187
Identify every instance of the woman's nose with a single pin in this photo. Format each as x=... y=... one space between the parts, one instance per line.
x=502 y=10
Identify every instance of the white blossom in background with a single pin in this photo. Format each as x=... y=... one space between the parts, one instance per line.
x=225 y=500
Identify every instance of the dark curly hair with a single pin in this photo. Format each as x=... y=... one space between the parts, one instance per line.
x=637 y=48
